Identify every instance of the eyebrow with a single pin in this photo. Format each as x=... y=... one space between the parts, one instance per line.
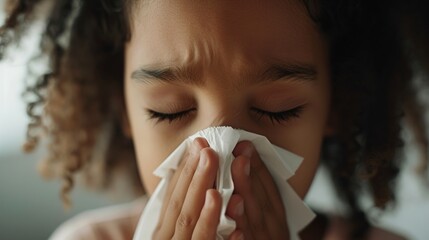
x=298 y=72
x=186 y=75
x=166 y=74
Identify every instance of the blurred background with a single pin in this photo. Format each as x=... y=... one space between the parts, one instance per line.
x=30 y=207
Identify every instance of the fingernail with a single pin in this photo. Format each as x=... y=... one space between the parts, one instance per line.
x=239 y=209
x=240 y=237
x=248 y=151
x=203 y=160
x=194 y=149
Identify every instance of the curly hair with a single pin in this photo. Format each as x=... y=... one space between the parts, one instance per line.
x=376 y=50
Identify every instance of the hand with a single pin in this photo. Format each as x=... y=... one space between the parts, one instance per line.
x=256 y=205
x=191 y=208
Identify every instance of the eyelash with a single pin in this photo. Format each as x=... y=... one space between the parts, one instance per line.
x=160 y=117
x=279 y=117
x=275 y=117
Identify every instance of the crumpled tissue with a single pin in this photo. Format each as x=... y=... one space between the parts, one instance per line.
x=281 y=163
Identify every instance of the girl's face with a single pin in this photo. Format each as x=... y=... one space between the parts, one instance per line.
x=261 y=66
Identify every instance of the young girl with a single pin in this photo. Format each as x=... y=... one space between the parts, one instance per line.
x=130 y=80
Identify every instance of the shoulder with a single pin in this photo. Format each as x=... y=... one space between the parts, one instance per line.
x=114 y=222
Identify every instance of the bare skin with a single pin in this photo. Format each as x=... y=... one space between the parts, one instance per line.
x=195 y=64
x=261 y=66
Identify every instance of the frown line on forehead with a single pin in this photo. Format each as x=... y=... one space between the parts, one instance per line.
x=190 y=75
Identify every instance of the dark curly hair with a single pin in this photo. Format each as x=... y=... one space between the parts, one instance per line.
x=377 y=48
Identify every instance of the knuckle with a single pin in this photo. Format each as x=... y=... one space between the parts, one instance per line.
x=184 y=221
x=188 y=171
x=266 y=206
x=175 y=205
x=186 y=156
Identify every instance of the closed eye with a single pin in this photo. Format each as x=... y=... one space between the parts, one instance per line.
x=279 y=117
x=160 y=117
x=274 y=117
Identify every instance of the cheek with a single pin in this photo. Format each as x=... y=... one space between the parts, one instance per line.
x=151 y=146
x=310 y=151
x=305 y=139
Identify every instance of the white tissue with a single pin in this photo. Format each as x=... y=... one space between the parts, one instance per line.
x=281 y=163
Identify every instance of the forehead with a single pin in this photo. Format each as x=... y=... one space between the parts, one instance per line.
x=223 y=31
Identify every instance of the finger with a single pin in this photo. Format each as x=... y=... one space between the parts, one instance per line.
x=235 y=210
x=273 y=225
x=177 y=190
x=237 y=235
x=173 y=181
x=244 y=185
x=191 y=154
x=258 y=167
x=265 y=189
x=203 y=179
x=206 y=226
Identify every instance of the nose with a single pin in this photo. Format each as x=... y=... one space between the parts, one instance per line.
x=224 y=107
x=225 y=114
x=231 y=118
